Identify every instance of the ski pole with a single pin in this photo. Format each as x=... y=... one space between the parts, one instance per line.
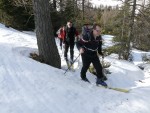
x=71 y=64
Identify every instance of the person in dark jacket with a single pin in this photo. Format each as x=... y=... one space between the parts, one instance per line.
x=69 y=41
x=90 y=45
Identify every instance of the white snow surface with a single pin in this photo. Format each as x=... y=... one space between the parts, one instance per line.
x=28 y=86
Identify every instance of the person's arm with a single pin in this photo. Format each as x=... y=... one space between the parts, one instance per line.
x=100 y=47
x=81 y=42
x=76 y=35
x=64 y=40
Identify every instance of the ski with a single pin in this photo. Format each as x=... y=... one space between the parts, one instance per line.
x=116 y=89
x=111 y=88
x=70 y=66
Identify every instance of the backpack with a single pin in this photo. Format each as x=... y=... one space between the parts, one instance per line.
x=86 y=30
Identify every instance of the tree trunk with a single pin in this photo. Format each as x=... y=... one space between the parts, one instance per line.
x=54 y=4
x=61 y=6
x=44 y=32
x=122 y=35
x=131 y=35
x=83 y=10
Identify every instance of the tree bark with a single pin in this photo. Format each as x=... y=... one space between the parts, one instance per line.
x=61 y=5
x=83 y=10
x=54 y=4
x=131 y=34
x=45 y=38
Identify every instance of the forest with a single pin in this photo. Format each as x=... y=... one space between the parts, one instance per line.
x=129 y=22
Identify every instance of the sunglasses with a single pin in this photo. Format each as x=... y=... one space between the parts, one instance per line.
x=98 y=30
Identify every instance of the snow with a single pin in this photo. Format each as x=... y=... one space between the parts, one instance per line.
x=105 y=2
x=28 y=86
x=107 y=39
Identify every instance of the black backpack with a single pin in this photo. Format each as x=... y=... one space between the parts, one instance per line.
x=86 y=31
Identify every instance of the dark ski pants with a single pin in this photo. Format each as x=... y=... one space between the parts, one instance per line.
x=87 y=60
x=67 y=45
x=61 y=40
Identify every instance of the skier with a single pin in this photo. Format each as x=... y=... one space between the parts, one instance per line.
x=69 y=41
x=89 y=45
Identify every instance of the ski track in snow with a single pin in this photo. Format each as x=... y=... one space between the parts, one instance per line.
x=27 y=86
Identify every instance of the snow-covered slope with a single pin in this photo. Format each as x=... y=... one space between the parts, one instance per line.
x=28 y=86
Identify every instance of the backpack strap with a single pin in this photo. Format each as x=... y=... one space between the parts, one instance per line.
x=91 y=49
x=89 y=36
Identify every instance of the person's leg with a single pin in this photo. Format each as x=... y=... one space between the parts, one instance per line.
x=97 y=66
x=66 y=51
x=86 y=61
x=60 y=43
x=71 y=51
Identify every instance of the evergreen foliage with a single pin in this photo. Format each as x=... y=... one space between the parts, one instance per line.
x=16 y=16
x=114 y=20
